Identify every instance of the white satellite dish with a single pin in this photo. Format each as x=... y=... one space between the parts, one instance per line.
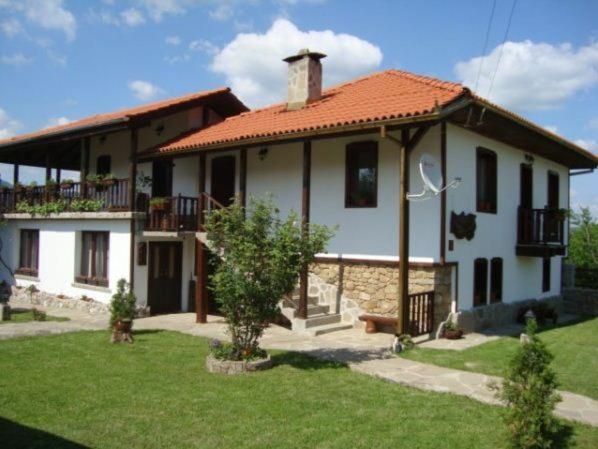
x=431 y=175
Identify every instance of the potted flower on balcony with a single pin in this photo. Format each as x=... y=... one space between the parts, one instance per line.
x=66 y=184
x=108 y=180
x=122 y=312
x=50 y=185
x=18 y=187
x=31 y=186
x=452 y=331
x=159 y=204
x=560 y=214
x=95 y=181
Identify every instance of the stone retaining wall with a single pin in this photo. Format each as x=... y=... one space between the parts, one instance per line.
x=372 y=287
x=38 y=298
x=498 y=314
x=580 y=301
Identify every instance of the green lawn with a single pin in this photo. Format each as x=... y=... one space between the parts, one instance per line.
x=574 y=346
x=77 y=390
x=23 y=316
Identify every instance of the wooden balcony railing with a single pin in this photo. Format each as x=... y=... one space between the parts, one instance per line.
x=540 y=227
x=180 y=213
x=111 y=195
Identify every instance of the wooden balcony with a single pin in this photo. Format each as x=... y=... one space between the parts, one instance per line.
x=108 y=196
x=540 y=233
x=180 y=213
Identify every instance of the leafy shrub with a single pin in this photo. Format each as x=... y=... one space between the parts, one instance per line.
x=226 y=351
x=262 y=257
x=31 y=289
x=122 y=305
x=51 y=207
x=38 y=315
x=529 y=391
x=86 y=205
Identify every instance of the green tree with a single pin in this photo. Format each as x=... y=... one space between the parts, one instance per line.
x=261 y=258
x=529 y=391
x=583 y=240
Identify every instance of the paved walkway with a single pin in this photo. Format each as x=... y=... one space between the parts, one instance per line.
x=363 y=353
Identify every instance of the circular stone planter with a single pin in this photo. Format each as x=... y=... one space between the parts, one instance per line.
x=214 y=365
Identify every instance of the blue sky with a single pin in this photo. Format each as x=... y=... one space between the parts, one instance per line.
x=61 y=60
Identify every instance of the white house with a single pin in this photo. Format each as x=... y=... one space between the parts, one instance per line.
x=336 y=156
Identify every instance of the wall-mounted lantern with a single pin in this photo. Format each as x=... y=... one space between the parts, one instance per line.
x=263 y=153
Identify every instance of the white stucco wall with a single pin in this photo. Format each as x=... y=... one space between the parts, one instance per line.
x=496 y=234
x=59 y=246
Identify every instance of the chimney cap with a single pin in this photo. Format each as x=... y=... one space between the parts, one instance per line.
x=303 y=53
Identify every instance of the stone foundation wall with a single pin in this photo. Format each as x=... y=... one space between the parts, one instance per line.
x=580 y=301
x=372 y=287
x=21 y=295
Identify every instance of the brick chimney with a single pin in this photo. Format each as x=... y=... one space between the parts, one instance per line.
x=305 y=78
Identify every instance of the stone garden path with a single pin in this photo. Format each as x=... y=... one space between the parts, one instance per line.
x=363 y=353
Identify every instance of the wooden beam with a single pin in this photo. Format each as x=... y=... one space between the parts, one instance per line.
x=443 y=193
x=201 y=260
x=85 y=147
x=132 y=197
x=403 y=233
x=15 y=175
x=243 y=176
x=305 y=203
x=417 y=137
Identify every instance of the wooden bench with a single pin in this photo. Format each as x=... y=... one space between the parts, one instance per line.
x=372 y=321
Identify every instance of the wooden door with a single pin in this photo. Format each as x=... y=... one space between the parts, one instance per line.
x=526 y=179
x=162 y=178
x=222 y=179
x=553 y=191
x=165 y=277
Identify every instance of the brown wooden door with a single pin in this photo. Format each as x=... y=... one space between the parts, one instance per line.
x=222 y=179
x=162 y=178
x=165 y=277
x=526 y=182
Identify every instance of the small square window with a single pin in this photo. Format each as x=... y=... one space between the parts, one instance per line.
x=361 y=188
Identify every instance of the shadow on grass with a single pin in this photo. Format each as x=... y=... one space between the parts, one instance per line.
x=147 y=331
x=17 y=436
x=563 y=438
x=549 y=327
x=327 y=358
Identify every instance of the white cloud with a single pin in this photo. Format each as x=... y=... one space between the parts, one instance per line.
x=52 y=15
x=16 y=60
x=173 y=40
x=11 y=27
x=57 y=121
x=178 y=58
x=157 y=9
x=222 y=13
x=252 y=62
x=552 y=129
x=588 y=144
x=203 y=46
x=144 y=90
x=533 y=75
x=132 y=17
x=8 y=126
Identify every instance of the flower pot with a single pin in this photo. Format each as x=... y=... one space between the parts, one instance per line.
x=108 y=182
x=161 y=207
x=66 y=186
x=123 y=326
x=453 y=334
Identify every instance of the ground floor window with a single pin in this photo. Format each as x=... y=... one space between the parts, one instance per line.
x=29 y=252
x=480 y=282
x=546 y=274
x=496 y=279
x=94 y=258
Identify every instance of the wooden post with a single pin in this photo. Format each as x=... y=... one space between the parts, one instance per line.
x=403 y=232
x=443 y=193
x=243 y=176
x=15 y=181
x=132 y=187
x=85 y=146
x=48 y=167
x=305 y=193
x=201 y=260
x=132 y=195
x=58 y=175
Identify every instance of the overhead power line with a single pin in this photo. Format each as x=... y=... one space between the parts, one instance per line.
x=477 y=80
x=502 y=47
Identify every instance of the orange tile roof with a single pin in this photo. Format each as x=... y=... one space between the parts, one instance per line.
x=385 y=95
x=129 y=113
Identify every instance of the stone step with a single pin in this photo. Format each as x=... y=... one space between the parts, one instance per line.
x=313 y=309
x=328 y=328
x=311 y=300
x=322 y=320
